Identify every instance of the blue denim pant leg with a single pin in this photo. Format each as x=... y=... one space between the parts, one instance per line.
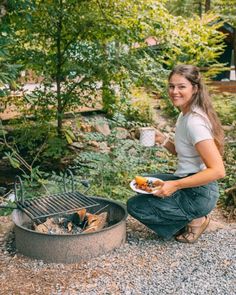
x=198 y=201
x=163 y=216
x=167 y=216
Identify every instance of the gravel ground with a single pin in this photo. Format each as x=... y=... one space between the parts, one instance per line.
x=143 y=265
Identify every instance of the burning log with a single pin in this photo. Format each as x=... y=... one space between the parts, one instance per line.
x=78 y=222
x=82 y=214
x=96 y=222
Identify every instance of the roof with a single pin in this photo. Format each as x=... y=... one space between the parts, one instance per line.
x=229 y=31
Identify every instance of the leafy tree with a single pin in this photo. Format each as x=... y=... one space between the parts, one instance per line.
x=84 y=49
x=77 y=43
x=226 y=9
x=8 y=70
x=196 y=42
x=189 y=8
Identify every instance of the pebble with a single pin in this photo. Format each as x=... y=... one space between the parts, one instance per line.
x=153 y=266
x=147 y=265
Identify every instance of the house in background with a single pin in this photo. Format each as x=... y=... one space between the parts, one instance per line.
x=229 y=55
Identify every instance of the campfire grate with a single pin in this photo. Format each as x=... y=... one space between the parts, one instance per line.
x=55 y=205
x=47 y=206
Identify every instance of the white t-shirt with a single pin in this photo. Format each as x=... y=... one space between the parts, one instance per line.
x=191 y=128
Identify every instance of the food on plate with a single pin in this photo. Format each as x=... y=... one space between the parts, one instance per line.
x=140 y=180
x=147 y=185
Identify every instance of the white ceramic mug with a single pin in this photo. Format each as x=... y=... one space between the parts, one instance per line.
x=147 y=136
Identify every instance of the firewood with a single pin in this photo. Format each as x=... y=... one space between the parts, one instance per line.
x=97 y=222
x=79 y=222
x=49 y=226
x=69 y=226
x=82 y=214
x=91 y=218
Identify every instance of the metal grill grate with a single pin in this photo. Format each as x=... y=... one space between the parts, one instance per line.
x=55 y=204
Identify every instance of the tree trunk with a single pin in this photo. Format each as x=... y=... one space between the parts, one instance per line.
x=200 y=8
x=58 y=75
x=207 y=5
x=234 y=49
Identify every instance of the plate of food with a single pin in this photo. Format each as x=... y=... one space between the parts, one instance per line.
x=145 y=185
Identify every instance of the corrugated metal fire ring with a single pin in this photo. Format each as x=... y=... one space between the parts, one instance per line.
x=71 y=248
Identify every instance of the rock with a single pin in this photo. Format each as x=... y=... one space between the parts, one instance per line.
x=77 y=145
x=102 y=127
x=11 y=197
x=86 y=127
x=94 y=143
x=133 y=152
x=67 y=123
x=121 y=133
x=168 y=128
x=228 y=128
x=104 y=148
x=81 y=135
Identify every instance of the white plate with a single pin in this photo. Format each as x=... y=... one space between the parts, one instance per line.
x=140 y=191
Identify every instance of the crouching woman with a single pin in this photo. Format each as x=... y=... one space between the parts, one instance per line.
x=181 y=206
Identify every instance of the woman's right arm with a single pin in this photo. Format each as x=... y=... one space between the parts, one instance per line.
x=166 y=142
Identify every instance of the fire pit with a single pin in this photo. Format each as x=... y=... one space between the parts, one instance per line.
x=70 y=248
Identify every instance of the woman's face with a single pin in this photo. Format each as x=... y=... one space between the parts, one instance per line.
x=181 y=92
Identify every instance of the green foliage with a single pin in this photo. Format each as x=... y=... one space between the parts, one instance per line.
x=140 y=107
x=225 y=105
x=196 y=42
x=29 y=137
x=5 y=212
x=8 y=70
x=35 y=142
x=226 y=9
x=56 y=148
x=137 y=107
x=91 y=136
x=62 y=48
x=187 y=8
x=167 y=107
x=80 y=66
x=229 y=180
x=111 y=173
x=15 y=163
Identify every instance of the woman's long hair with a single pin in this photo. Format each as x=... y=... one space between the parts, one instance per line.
x=202 y=99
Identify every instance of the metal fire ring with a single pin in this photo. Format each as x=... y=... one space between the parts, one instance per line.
x=71 y=248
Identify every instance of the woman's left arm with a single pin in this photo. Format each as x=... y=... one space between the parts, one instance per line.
x=214 y=166
x=214 y=170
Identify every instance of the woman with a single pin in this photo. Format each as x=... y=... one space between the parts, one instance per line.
x=181 y=206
